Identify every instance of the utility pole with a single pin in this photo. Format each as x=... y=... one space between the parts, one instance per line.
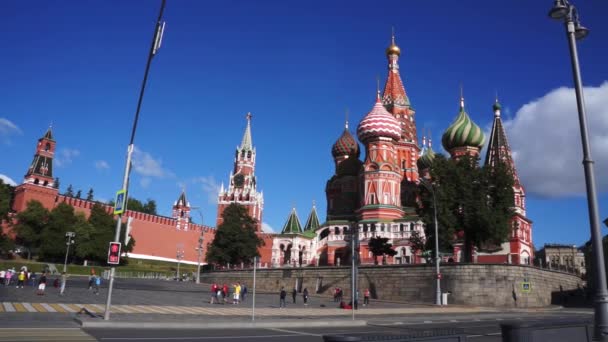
x=179 y=256
x=199 y=249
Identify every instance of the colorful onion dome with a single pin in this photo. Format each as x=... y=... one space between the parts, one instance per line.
x=426 y=159
x=346 y=145
x=378 y=123
x=463 y=132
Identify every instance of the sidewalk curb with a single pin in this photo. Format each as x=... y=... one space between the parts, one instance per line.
x=219 y=325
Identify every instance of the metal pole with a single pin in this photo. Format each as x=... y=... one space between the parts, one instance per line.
x=200 y=249
x=353 y=276
x=65 y=263
x=601 y=293
x=255 y=264
x=125 y=182
x=437 y=258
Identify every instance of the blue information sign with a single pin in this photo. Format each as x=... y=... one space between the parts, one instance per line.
x=119 y=204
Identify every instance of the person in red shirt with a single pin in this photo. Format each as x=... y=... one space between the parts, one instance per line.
x=225 y=293
x=213 y=294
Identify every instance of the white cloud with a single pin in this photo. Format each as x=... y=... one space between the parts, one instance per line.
x=210 y=187
x=144 y=164
x=267 y=228
x=145 y=182
x=101 y=165
x=546 y=142
x=7 y=180
x=65 y=156
x=7 y=128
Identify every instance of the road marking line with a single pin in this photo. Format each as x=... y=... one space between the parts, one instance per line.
x=48 y=307
x=19 y=307
x=38 y=307
x=58 y=307
x=428 y=322
x=8 y=307
x=29 y=307
x=68 y=308
x=295 y=332
x=453 y=320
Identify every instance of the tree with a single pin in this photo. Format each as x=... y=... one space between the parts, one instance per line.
x=103 y=226
x=150 y=207
x=235 y=239
x=90 y=194
x=69 y=192
x=61 y=220
x=475 y=204
x=379 y=246
x=6 y=199
x=29 y=225
x=417 y=242
x=78 y=193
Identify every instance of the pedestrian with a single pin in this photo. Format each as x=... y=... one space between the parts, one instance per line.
x=97 y=284
x=225 y=293
x=41 y=285
x=305 y=296
x=2 y=275
x=366 y=297
x=237 y=293
x=294 y=293
x=213 y=293
x=335 y=295
x=243 y=293
x=33 y=279
x=20 y=279
x=282 y=296
x=7 y=277
x=64 y=279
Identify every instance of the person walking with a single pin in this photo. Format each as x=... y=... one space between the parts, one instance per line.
x=294 y=293
x=41 y=284
x=243 y=293
x=225 y=293
x=305 y=296
x=236 y=295
x=64 y=280
x=20 y=279
x=2 y=275
x=366 y=297
x=97 y=284
x=282 y=296
x=213 y=294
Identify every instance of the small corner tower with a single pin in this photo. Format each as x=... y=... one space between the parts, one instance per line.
x=38 y=182
x=242 y=188
x=181 y=212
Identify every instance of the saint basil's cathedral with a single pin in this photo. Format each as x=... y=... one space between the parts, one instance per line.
x=372 y=197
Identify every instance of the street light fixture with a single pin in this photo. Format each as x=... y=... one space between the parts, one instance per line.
x=70 y=240
x=430 y=188
x=563 y=10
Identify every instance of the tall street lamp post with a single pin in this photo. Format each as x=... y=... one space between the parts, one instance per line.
x=429 y=187
x=159 y=28
x=199 y=249
x=563 y=10
x=70 y=240
x=179 y=255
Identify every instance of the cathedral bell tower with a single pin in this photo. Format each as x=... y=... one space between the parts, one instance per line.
x=242 y=187
x=381 y=177
x=38 y=182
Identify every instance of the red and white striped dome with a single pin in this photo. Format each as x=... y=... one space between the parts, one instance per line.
x=378 y=123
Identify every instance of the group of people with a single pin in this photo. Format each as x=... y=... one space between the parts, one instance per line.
x=20 y=279
x=294 y=294
x=221 y=294
x=338 y=294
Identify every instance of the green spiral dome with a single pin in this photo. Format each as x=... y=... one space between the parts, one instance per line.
x=426 y=159
x=462 y=133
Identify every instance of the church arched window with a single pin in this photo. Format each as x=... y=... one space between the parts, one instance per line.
x=47 y=146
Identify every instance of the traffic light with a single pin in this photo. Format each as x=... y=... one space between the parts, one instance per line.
x=114 y=253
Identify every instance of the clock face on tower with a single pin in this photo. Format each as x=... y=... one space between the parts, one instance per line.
x=239 y=180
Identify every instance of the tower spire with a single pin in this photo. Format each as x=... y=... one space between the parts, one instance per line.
x=246 y=143
x=346 y=119
x=461 y=98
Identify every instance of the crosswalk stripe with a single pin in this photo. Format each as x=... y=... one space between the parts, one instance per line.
x=8 y=307
x=120 y=309
x=159 y=309
x=98 y=308
x=48 y=307
x=38 y=307
x=67 y=308
x=19 y=307
x=29 y=307
x=58 y=308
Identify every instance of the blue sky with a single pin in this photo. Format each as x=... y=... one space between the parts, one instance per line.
x=296 y=66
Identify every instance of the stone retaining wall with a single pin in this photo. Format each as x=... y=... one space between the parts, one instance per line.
x=470 y=284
